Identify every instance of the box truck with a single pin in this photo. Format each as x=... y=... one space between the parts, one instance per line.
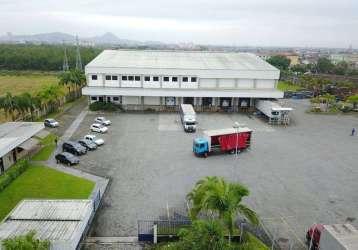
x=275 y=113
x=188 y=117
x=222 y=140
x=332 y=237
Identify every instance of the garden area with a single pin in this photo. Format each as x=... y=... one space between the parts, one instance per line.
x=215 y=205
x=40 y=182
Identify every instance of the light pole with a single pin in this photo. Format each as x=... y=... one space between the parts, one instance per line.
x=237 y=126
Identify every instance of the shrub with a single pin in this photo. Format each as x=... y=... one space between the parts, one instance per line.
x=13 y=173
x=103 y=106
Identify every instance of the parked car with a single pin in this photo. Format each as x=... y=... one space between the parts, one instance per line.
x=67 y=158
x=90 y=145
x=74 y=148
x=52 y=123
x=99 y=128
x=102 y=120
x=94 y=139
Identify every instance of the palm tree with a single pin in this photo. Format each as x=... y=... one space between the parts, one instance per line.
x=66 y=80
x=77 y=78
x=216 y=196
x=8 y=103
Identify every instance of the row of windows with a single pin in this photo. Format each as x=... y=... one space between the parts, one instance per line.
x=147 y=78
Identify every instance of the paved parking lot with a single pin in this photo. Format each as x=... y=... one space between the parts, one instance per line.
x=298 y=175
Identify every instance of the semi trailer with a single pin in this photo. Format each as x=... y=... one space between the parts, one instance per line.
x=332 y=237
x=188 y=117
x=274 y=112
x=222 y=140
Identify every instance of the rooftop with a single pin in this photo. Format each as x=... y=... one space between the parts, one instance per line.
x=179 y=60
x=346 y=234
x=55 y=220
x=13 y=134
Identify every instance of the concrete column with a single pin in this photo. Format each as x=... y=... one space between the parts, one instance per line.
x=236 y=83
x=217 y=83
x=198 y=79
x=179 y=79
x=120 y=80
x=254 y=83
x=141 y=80
x=155 y=234
x=103 y=79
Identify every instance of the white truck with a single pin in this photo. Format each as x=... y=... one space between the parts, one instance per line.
x=275 y=113
x=333 y=237
x=188 y=117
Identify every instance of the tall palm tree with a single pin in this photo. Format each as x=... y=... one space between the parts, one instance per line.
x=8 y=103
x=215 y=195
x=78 y=78
x=66 y=80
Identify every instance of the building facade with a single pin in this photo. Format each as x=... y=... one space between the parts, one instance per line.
x=161 y=80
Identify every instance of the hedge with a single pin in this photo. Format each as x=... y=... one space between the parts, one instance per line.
x=103 y=106
x=12 y=173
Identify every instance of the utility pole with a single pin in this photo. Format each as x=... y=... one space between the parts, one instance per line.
x=78 y=56
x=65 y=66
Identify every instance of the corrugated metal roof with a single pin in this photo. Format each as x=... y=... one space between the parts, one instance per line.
x=345 y=234
x=12 y=134
x=179 y=60
x=55 y=220
x=50 y=210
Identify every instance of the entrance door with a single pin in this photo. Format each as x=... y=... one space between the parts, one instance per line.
x=108 y=99
x=207 y=101
x=244 y=102
x=2 y=168
x=14 y=156
x=100 y=98
x=188 y=100
x=225 y=102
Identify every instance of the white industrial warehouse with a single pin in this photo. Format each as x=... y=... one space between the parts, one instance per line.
x=161 y=80
x=62 y=222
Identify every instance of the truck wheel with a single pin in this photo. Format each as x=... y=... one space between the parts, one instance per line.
x=206 y=154
x=232 y=151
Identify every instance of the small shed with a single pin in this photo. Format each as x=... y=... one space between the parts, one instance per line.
x=62 y=222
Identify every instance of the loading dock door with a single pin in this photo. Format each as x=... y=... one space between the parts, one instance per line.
x=188 y=100
x=225 y=102
x=170 y=101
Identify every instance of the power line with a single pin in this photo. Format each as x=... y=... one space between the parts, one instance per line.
x=78 y=56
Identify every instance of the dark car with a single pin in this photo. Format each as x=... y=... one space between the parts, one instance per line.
x=88 y=144
x=67 y=158
x=74 y=148
x=52 y=123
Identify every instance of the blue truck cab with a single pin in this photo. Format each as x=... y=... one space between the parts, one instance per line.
x=201 y=146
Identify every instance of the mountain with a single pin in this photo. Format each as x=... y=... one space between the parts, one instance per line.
x=54 y=37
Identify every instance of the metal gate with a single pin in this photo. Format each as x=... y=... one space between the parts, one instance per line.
x=145 y=230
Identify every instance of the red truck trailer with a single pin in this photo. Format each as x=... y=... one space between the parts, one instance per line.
x=222 y=140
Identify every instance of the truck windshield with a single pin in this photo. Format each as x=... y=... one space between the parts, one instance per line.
x=190 y=123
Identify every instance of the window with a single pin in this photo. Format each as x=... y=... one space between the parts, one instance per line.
x=185 y=79
x=137 y=78
x=93 y=98
x=108 y=78
x=156 y=78
x=166 y=79
x=193 y=79
x=174 y=79
x=115 y=98
x=147 y=78
x=94 y=77
x=114 y=78
x=130 y=78
x=124 y=78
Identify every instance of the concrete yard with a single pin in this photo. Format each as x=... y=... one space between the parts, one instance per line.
x=297 y=175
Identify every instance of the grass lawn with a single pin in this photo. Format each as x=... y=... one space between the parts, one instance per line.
x=48 y=146
x=18 y=84
x=285 y=86
x=39 y=182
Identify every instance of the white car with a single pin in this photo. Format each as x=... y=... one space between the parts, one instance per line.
x=102 y=120
x=94 y=139
x=99 y=128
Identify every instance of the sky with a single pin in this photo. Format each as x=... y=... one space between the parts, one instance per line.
x=303 y=23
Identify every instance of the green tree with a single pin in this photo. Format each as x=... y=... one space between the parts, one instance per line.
x=324 y=65
x=354 y=100
x=204 y=234
x=214 y=195
x=280 y=62
x=341 y=68
x=9 y=104
x=26 y=242
x=49 y=97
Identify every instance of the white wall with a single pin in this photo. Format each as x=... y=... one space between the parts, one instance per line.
x=265 y=84
x=151 y=100
x=225 y=83
x=112 y=83
x=131 y=100
x=95 y=83
x=208 y=83
x=245 y=84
